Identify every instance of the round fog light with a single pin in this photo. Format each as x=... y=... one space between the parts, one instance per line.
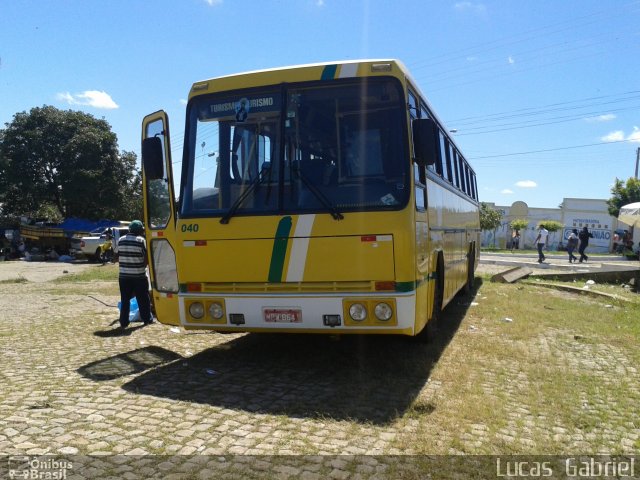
x=215 y=310
x=196 y=310
x=383 y=312
x=358 y=312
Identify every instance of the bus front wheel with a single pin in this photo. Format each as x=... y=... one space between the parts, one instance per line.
x=428 y=333
x=471 y=263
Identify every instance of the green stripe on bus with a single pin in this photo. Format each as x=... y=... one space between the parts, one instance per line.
x=411 y=286
x=329 y=72
x=279 y=252
x=405 y=286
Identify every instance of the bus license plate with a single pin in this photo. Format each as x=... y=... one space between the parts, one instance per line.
x=282 y=315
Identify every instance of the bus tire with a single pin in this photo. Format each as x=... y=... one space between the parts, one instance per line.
x=471 y=264
x=430 y=330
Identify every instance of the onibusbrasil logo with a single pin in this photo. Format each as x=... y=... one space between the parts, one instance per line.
x=38 y=468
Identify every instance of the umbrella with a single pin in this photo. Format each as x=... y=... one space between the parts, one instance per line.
x=630 y=214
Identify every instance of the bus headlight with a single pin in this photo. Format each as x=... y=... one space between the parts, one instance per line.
x=358 y=312
x=196 y=310
x=383 y=312
x=216 y=311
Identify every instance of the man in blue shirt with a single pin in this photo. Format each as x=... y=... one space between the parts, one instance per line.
x=132 y=254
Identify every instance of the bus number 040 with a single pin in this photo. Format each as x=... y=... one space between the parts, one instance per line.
x=192 y=227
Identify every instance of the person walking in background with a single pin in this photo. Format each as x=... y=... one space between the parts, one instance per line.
x=540 y=241
x=572 y=243
x=584 y=237
x=515 y=240
x=616 y=241
x=132 y=253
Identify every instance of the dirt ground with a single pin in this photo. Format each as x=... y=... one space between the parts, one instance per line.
x=38 y=271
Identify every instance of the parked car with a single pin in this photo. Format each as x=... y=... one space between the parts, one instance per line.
x=90 y=246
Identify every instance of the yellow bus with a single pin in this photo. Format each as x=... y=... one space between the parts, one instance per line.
x=322 y=198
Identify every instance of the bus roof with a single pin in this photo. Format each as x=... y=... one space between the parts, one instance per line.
x=310 y=65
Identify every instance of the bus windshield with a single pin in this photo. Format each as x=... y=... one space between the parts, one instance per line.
x=297 y=149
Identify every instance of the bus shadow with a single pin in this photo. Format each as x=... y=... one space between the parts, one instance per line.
x=135 y=361
x=369 y=379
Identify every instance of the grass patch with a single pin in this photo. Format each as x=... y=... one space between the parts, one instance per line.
x=560 y=372
x=9 y=281
x=102 y=273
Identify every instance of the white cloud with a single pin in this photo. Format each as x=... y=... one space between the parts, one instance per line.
x=635 y=136
x=511 y=60
x=616 y=136
x=477 y=8
x=506 y=191
x=526 y=184
x=320 y=3
x=91 y=98
x=602 y=118
x=183 y=101
x=213 y=3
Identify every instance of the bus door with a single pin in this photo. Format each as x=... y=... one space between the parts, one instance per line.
x=160 y=216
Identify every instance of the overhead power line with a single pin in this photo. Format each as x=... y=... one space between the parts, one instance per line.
x=540 y=32
x=549 y=108
x=513 y=154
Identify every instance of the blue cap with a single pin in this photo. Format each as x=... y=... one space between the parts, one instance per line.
x=136 y=227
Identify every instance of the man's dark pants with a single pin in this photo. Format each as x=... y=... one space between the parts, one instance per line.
x=134 y=287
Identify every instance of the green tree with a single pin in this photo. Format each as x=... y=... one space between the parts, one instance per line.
x=132 y=201
x=490 y=218
x=519 y=224
x=68 y=161
x=551 y=225
x=623 y=194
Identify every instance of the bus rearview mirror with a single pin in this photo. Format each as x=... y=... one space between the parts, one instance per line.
x=152 y=158
x=424 y=141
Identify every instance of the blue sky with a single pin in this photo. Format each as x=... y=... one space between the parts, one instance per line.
x=544 y=95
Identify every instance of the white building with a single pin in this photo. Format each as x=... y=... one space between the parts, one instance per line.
x=572 y=213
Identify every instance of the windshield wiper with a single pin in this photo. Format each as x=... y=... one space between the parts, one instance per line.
x=319 y=195
x=238 y=203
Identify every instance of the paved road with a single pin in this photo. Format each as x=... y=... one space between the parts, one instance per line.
x=558 y=262
x=207 y=402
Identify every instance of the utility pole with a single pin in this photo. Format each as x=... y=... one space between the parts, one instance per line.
x=637 y=161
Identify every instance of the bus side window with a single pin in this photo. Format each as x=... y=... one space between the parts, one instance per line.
x=420 y=188
x=445 y=157
x=463 y=187
x=475 y=187
x=437 y=165
x=469 y=189
x=465 y=177
x=413 y=106
x=419 y=172
x=454 y=160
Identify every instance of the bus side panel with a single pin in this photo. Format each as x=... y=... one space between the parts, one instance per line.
x=423 y=271
x=449 y=218
x=166 y=307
